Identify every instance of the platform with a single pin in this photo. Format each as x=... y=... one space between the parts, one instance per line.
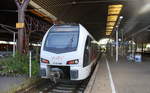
x=124 y=77
x=8 y=83
x=11 y=84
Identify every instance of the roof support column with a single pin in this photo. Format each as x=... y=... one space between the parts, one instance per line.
x=21 y=5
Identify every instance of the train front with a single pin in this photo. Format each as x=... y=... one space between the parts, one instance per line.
x=60 y=56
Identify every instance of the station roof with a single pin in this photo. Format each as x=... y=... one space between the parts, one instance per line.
x=90 y=13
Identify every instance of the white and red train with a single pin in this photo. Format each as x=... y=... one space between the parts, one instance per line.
x=67 y=51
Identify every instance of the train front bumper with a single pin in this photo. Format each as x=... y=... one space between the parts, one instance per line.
x=74 y=72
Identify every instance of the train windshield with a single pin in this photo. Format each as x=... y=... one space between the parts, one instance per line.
x=61 y=41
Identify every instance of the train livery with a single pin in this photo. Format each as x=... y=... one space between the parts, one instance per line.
x=68 y=51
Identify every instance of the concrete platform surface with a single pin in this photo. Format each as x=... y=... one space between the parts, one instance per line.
x=130 y=77
x=7 y=83
x=101 y=83
x=124 y=77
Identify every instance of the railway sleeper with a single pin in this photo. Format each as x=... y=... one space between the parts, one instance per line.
x=62 y=91
x=63 y=88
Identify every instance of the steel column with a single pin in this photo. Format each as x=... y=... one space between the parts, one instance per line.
x=117 y=44
x=117 y=28
x=21 y=5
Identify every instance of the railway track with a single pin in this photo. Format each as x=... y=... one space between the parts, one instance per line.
x=63 y=86
x=66 y=87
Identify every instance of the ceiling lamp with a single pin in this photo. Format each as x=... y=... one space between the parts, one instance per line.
x=113 y=13
x=110 y=23
x=108 y=33
x=109 y=28
x=112 y=18
x=115 y=6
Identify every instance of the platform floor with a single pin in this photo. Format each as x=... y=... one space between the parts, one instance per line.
x=7 y=83
x=126 y=77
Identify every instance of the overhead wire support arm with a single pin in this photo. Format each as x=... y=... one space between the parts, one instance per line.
x=8 y=26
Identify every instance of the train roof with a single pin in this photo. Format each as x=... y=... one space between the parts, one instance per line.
x=67 y=24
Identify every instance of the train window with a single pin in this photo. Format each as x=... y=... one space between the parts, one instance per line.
x=60 y=42
x=64 y=28
x=87 y=51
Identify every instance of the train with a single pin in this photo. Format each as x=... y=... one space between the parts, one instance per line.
x=68 y=51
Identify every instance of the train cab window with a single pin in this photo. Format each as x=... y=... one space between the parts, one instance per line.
x=62 y=41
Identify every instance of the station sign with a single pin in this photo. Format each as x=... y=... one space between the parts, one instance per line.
x=20 y=25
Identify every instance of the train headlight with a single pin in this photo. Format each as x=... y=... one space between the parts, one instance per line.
x=44 y=60
x=76 y=61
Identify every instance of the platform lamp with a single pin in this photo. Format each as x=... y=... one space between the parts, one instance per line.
x=117 y=27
